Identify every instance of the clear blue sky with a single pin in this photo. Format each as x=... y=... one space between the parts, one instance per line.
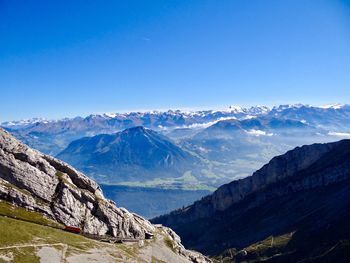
x=68 y=58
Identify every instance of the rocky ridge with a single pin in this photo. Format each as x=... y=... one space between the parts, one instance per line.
x=278 y=169
x=303 y=191
x=44 y=184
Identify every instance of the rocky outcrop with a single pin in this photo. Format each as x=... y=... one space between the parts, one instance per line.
x=44 y=184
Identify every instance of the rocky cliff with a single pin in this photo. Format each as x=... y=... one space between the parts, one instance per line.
x=305 y=191
x=56 y=190
x=279 y=168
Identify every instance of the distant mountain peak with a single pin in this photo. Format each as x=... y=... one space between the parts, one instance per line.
x=136 y=152
x=236 y=108
x=136 y=129
x=283 y=107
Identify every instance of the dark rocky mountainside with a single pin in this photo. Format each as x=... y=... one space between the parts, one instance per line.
x=301 y=198
x=50 y=187
x=135 y=154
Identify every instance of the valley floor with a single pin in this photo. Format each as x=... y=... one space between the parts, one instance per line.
x=151 y=202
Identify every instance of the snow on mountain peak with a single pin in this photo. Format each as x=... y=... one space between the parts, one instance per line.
x=176 y=118
x=289 y=106
x=258 y=110
x=24 y=122
x=335 y=106
x=236 y=109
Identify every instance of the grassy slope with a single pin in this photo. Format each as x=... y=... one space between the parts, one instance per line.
x=7 y=209
x=20 y=227
x=15 y=232
x=18 y=232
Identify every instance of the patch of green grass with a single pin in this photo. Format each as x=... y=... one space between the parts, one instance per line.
x=170 y=244
x=23 y=255
x=11 y=186
x=7 y=209
x=59 y=175
x=131 y=251
x=270 y=242
x=14 y=232
x=62 y=178
x=257 y=252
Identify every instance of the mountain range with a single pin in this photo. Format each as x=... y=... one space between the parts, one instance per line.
x=228 y=140
x=180 y=150
x=52 y=136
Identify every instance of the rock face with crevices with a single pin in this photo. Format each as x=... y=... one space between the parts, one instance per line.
x=44 y=184
x=278 y=169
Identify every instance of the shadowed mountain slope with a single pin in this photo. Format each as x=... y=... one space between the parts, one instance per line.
x=301 y=197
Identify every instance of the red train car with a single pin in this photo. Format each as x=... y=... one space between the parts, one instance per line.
x=72 y=229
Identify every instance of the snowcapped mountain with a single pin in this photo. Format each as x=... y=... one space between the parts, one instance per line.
x=333 y=117
x=335 y=106
x=52 y=136
x=175 y=118
x=23 y=123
